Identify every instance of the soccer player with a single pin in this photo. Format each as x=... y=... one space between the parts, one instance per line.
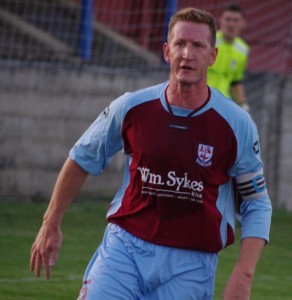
x=227 y=73
x=184 y=145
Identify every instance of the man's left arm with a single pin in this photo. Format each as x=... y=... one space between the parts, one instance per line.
x=255 y=209
x=239 y=283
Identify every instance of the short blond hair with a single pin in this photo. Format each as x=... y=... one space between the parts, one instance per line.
x=197 y=16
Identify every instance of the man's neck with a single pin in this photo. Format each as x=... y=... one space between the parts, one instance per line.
x=190 y=97
x=228 y=39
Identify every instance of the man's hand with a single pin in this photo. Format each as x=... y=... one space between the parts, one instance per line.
x=245 y=106
x=44 y=251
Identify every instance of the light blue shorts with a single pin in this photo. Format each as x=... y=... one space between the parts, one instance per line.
x=125 y=267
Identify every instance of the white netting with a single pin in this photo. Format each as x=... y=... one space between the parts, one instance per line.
x=129 y=33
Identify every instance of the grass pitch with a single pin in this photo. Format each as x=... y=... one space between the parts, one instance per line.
x=83 y=227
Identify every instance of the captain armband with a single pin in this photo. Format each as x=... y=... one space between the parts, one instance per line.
x=252 y=186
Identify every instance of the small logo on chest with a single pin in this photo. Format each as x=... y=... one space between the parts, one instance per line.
x=205 y=154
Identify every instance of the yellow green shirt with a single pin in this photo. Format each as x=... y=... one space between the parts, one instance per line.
x=230 y=64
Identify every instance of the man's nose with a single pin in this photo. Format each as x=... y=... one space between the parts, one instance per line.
x=188 y=52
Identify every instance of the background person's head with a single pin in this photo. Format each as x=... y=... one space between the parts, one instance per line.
x=231 y=22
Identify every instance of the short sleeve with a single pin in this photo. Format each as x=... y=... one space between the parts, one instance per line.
x=101 y=141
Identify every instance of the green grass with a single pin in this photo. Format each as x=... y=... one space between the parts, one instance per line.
x=83 y=227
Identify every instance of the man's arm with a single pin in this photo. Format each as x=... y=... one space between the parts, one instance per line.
x=238 y=95
x=45 y=249
x=239 y=284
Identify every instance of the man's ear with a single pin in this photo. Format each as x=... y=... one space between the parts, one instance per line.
x=166 y=52
x=214 y=53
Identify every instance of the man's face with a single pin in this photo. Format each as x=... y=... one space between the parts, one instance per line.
x=231 y=24
x=189 y=52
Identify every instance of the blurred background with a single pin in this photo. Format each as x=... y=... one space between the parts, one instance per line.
x=63 y=61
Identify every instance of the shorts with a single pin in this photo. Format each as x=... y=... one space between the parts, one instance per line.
x=125 y=267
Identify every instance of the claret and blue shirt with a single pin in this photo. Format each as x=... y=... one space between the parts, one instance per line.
x=181 y=170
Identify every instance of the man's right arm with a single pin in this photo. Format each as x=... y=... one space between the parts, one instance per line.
x=238 y=95
x=45 y=249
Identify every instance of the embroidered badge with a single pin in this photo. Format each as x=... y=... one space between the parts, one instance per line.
x=205 y=154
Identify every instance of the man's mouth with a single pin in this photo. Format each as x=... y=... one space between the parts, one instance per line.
x=189 y=68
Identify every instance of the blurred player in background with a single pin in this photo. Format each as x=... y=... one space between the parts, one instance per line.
x=228 y=71
x=184 y=145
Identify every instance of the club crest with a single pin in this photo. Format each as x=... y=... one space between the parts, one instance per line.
x=205 y=154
